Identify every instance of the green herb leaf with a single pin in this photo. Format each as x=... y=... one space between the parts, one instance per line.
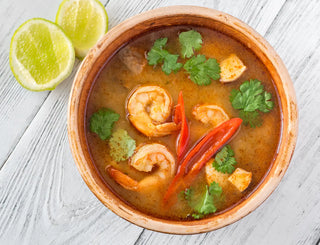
x=170 y=63
x=121 y=145
x=186 y=194
x=266 y=104
x=251 y=118
x=250 y=99
x=201 y=70
x=197 y=216
x=102 y=122
x=155 y=55
x=215 y=189
x=190 y=41
x=206 y=203
x=224 y=160
x=159 y=55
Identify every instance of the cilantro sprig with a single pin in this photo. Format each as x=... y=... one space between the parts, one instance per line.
x=121 y=145
x=201 y=70
x=186 y=194
x=190 y=41
x=251 y=118
x=224 y=161
x=101 y=122
x=158 y=55
x=250 y=99
x=206 y=203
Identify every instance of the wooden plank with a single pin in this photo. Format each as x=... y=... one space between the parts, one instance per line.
x=258 y=14
x=44 y=200
x=42 y=196
x=134 y=11
x=290 y=215
x=18 y=106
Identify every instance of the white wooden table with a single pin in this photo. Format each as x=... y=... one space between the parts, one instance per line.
x=43 y=199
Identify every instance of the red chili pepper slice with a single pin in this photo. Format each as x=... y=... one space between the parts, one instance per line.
x=183 y=137
x=206 y=148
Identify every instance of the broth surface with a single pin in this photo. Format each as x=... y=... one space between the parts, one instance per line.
x=254 y=148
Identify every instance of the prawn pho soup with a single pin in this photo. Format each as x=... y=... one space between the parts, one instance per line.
x=183 y=122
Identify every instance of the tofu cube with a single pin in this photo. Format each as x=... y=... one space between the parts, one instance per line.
x=213 y=175
x=240 y=179
x=231 y=69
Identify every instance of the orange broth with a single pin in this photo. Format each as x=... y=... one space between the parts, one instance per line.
x=254 y=148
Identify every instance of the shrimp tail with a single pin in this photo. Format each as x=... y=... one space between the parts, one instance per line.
x=153 y=130
x=122 y=179
x=166 y=128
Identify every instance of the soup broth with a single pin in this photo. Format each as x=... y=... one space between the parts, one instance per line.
x=254 y=148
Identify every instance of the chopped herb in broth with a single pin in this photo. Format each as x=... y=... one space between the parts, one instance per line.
x=121 y=145
x=190 y=41
x=250 y=99
x=164 y=150
x=159 y=55
x=224 y=161
x=102 y=121
x=202 y=70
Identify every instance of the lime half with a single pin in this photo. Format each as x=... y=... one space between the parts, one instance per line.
x=84 y=21
x=41 y=55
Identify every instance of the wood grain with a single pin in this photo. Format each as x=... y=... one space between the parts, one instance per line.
x=18 y=106
x=43 y=199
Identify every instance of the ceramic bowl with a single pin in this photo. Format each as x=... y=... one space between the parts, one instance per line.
x=168 y=16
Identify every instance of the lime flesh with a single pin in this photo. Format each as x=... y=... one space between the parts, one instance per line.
x=84 y=21
x=41 y=55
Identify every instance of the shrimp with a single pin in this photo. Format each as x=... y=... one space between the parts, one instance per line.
x=210 y=114
x=149 y=108
x=147 y=158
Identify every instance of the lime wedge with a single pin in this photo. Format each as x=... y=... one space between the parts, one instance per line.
x=41 y=55
x=84 y=21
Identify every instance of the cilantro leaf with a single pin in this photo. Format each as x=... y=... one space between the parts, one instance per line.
x=102 y=122
x=215 y=189
x=170 y=63
x=266 y=103
x=158 y=55
x=201 y=70
x=155 y=55
x=251 y=96
x=224 y=161
x=249 y=99
x=251 y=118
x=186 y=194
x=190 y=41
x=206 y=203
x=121 y=145
x=197 y=216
